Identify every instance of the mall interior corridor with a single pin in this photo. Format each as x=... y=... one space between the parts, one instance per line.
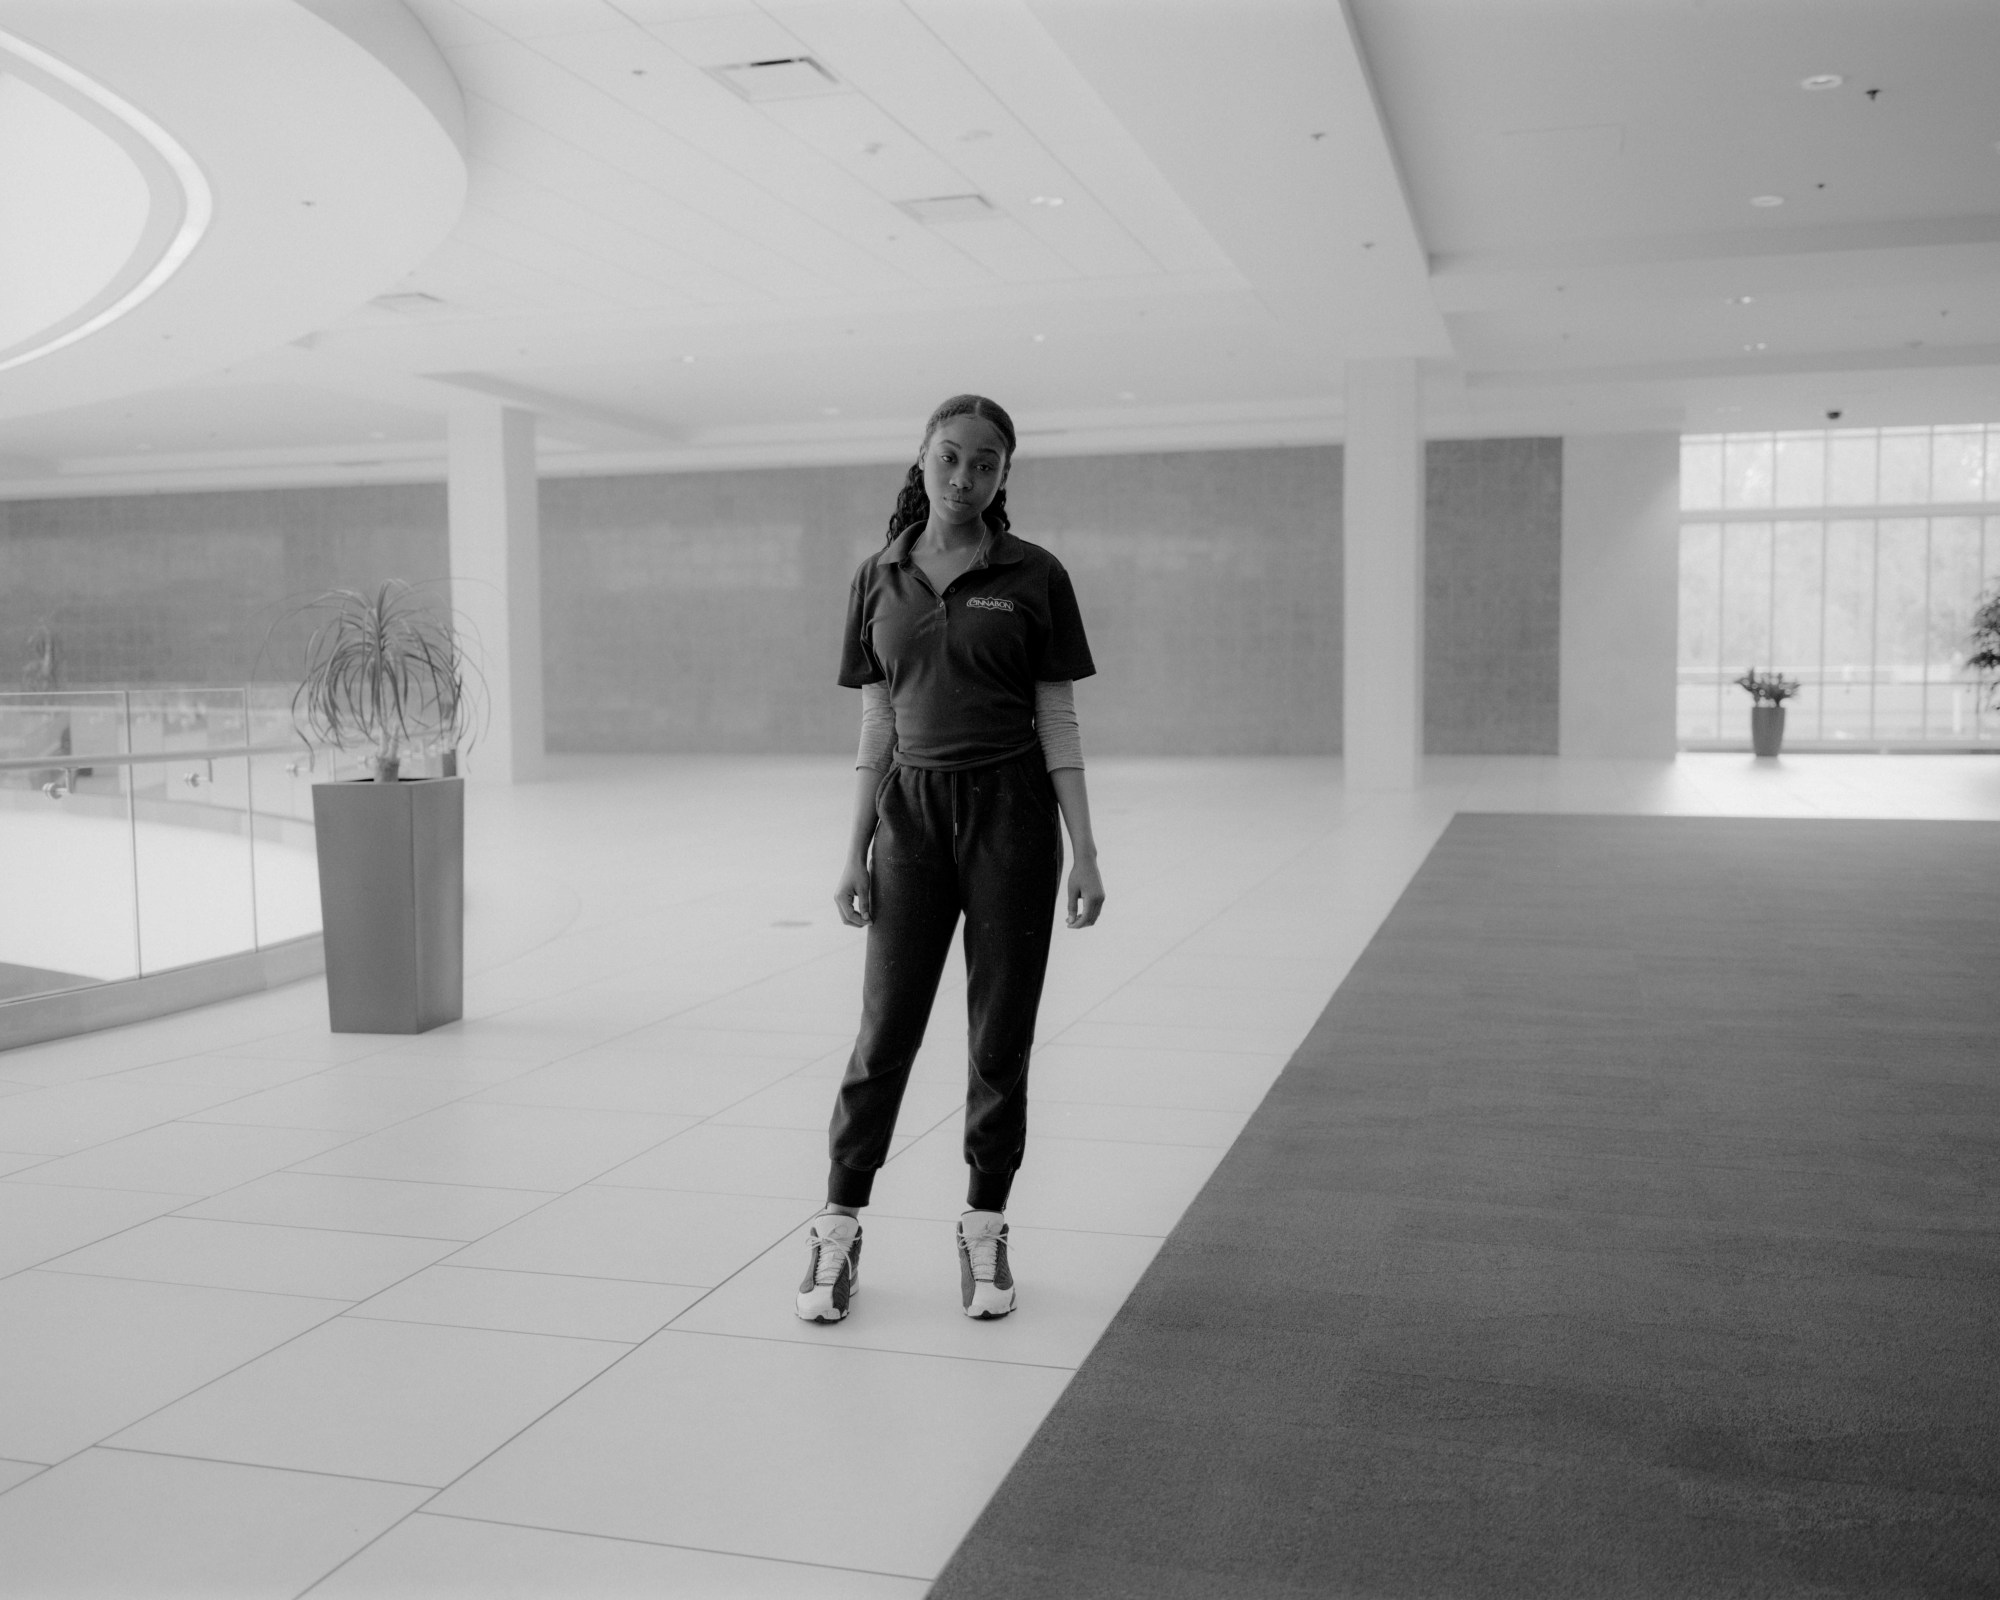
x=505 y=1308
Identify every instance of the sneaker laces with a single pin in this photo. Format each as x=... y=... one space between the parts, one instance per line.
x=831 y=1258
x=983 y=1250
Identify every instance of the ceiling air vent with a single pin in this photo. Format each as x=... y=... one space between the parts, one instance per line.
x=941 y=209
x=412 y=304
x=780 y=78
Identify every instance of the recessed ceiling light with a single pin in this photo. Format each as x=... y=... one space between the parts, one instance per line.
x=687 y=361
x=779 y=78
x=1822 y=80
x=1040 y=337
x=1767 y=200
x=1046 y=200
x=942 y=210
x=1759 y=345
x=1741 y=299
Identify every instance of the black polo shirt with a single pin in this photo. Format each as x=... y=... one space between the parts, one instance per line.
x=962 y=666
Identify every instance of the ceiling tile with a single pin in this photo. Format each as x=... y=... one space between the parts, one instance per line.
x=727 y=39
x=547 y=19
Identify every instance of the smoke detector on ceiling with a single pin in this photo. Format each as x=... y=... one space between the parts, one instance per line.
x=779 y=78
x=939 y=210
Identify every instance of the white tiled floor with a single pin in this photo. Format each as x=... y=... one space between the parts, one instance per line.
x=504 y=1309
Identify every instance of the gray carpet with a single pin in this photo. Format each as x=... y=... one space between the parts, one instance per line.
x=1629 y=1225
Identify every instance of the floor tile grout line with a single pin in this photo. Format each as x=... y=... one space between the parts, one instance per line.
x=167 y=1061
x=664 y=1544
x=657 y=1021
x=134 y=1422
x=115 y=1233
x=190 y=1118
x=775 y=1245
x=260 y=1466
x=482 y=1327
x=1141 y=1144
x=296 y=1168
x=548 y=1411
x=1159 y=1050
x=182 y=1283
x=105 y=1440
x=41 y=1468
x=309 y=1227
x=580 y=1277
x=873 y=1349
x=444 y=1260
x=1025 y=1227
x=594 y=1181
x=351 y=1177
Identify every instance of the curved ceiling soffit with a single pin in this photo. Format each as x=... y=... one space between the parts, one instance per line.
x=297 y=156
x=179 y=207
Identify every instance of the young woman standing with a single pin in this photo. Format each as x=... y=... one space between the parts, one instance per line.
x=964 y=642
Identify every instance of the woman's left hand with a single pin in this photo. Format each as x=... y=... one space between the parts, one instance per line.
x=1086 y=894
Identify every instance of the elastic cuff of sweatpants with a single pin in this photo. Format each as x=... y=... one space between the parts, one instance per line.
x=848 y=1186
x=987 y=1191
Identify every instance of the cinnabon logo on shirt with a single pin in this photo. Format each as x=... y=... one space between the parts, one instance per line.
x=985 y=602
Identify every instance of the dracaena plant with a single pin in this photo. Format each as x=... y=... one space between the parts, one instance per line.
x=1985 y=657
x=1768 y=688
x=387 y=673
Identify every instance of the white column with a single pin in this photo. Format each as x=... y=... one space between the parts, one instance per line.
x=496 y=581
x=1621 y=563
x=1382 y=534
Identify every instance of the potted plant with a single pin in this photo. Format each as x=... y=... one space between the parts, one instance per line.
x=1985 y=657
x=1769 y=691
x=387 y=674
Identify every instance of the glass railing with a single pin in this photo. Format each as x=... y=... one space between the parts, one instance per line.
x=145 y=829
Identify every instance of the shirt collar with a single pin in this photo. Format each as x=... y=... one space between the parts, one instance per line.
x=995 y=549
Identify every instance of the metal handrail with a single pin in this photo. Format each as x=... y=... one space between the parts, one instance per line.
x=69 y=760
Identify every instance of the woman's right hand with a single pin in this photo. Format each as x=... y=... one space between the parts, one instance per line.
x=851 y=896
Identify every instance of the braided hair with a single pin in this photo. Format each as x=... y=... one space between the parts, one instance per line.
x=912 y=504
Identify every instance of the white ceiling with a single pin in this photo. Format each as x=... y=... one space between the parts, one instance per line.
x=1548 y=201
x=286 y=168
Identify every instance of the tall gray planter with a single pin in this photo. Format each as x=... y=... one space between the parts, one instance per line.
x=1767 y=729
x=392 y=899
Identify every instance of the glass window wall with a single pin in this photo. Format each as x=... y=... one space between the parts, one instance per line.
x=1849 y=559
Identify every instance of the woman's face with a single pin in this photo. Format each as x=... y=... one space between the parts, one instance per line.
x=965 y=466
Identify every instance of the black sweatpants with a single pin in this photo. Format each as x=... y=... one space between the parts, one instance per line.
x=987 y=843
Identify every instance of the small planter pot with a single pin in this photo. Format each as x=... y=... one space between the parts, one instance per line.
x=1767 y=729
x=392 y=902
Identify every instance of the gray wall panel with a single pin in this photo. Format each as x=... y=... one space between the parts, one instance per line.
x=1492 y=596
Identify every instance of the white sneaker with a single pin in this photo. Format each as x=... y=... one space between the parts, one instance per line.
x=986 y=1285
x=833 y=1266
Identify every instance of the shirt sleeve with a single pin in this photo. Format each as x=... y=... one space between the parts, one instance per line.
x=878 y=729
x=1066 y=652
x=1055 y=722
x=858 y=665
